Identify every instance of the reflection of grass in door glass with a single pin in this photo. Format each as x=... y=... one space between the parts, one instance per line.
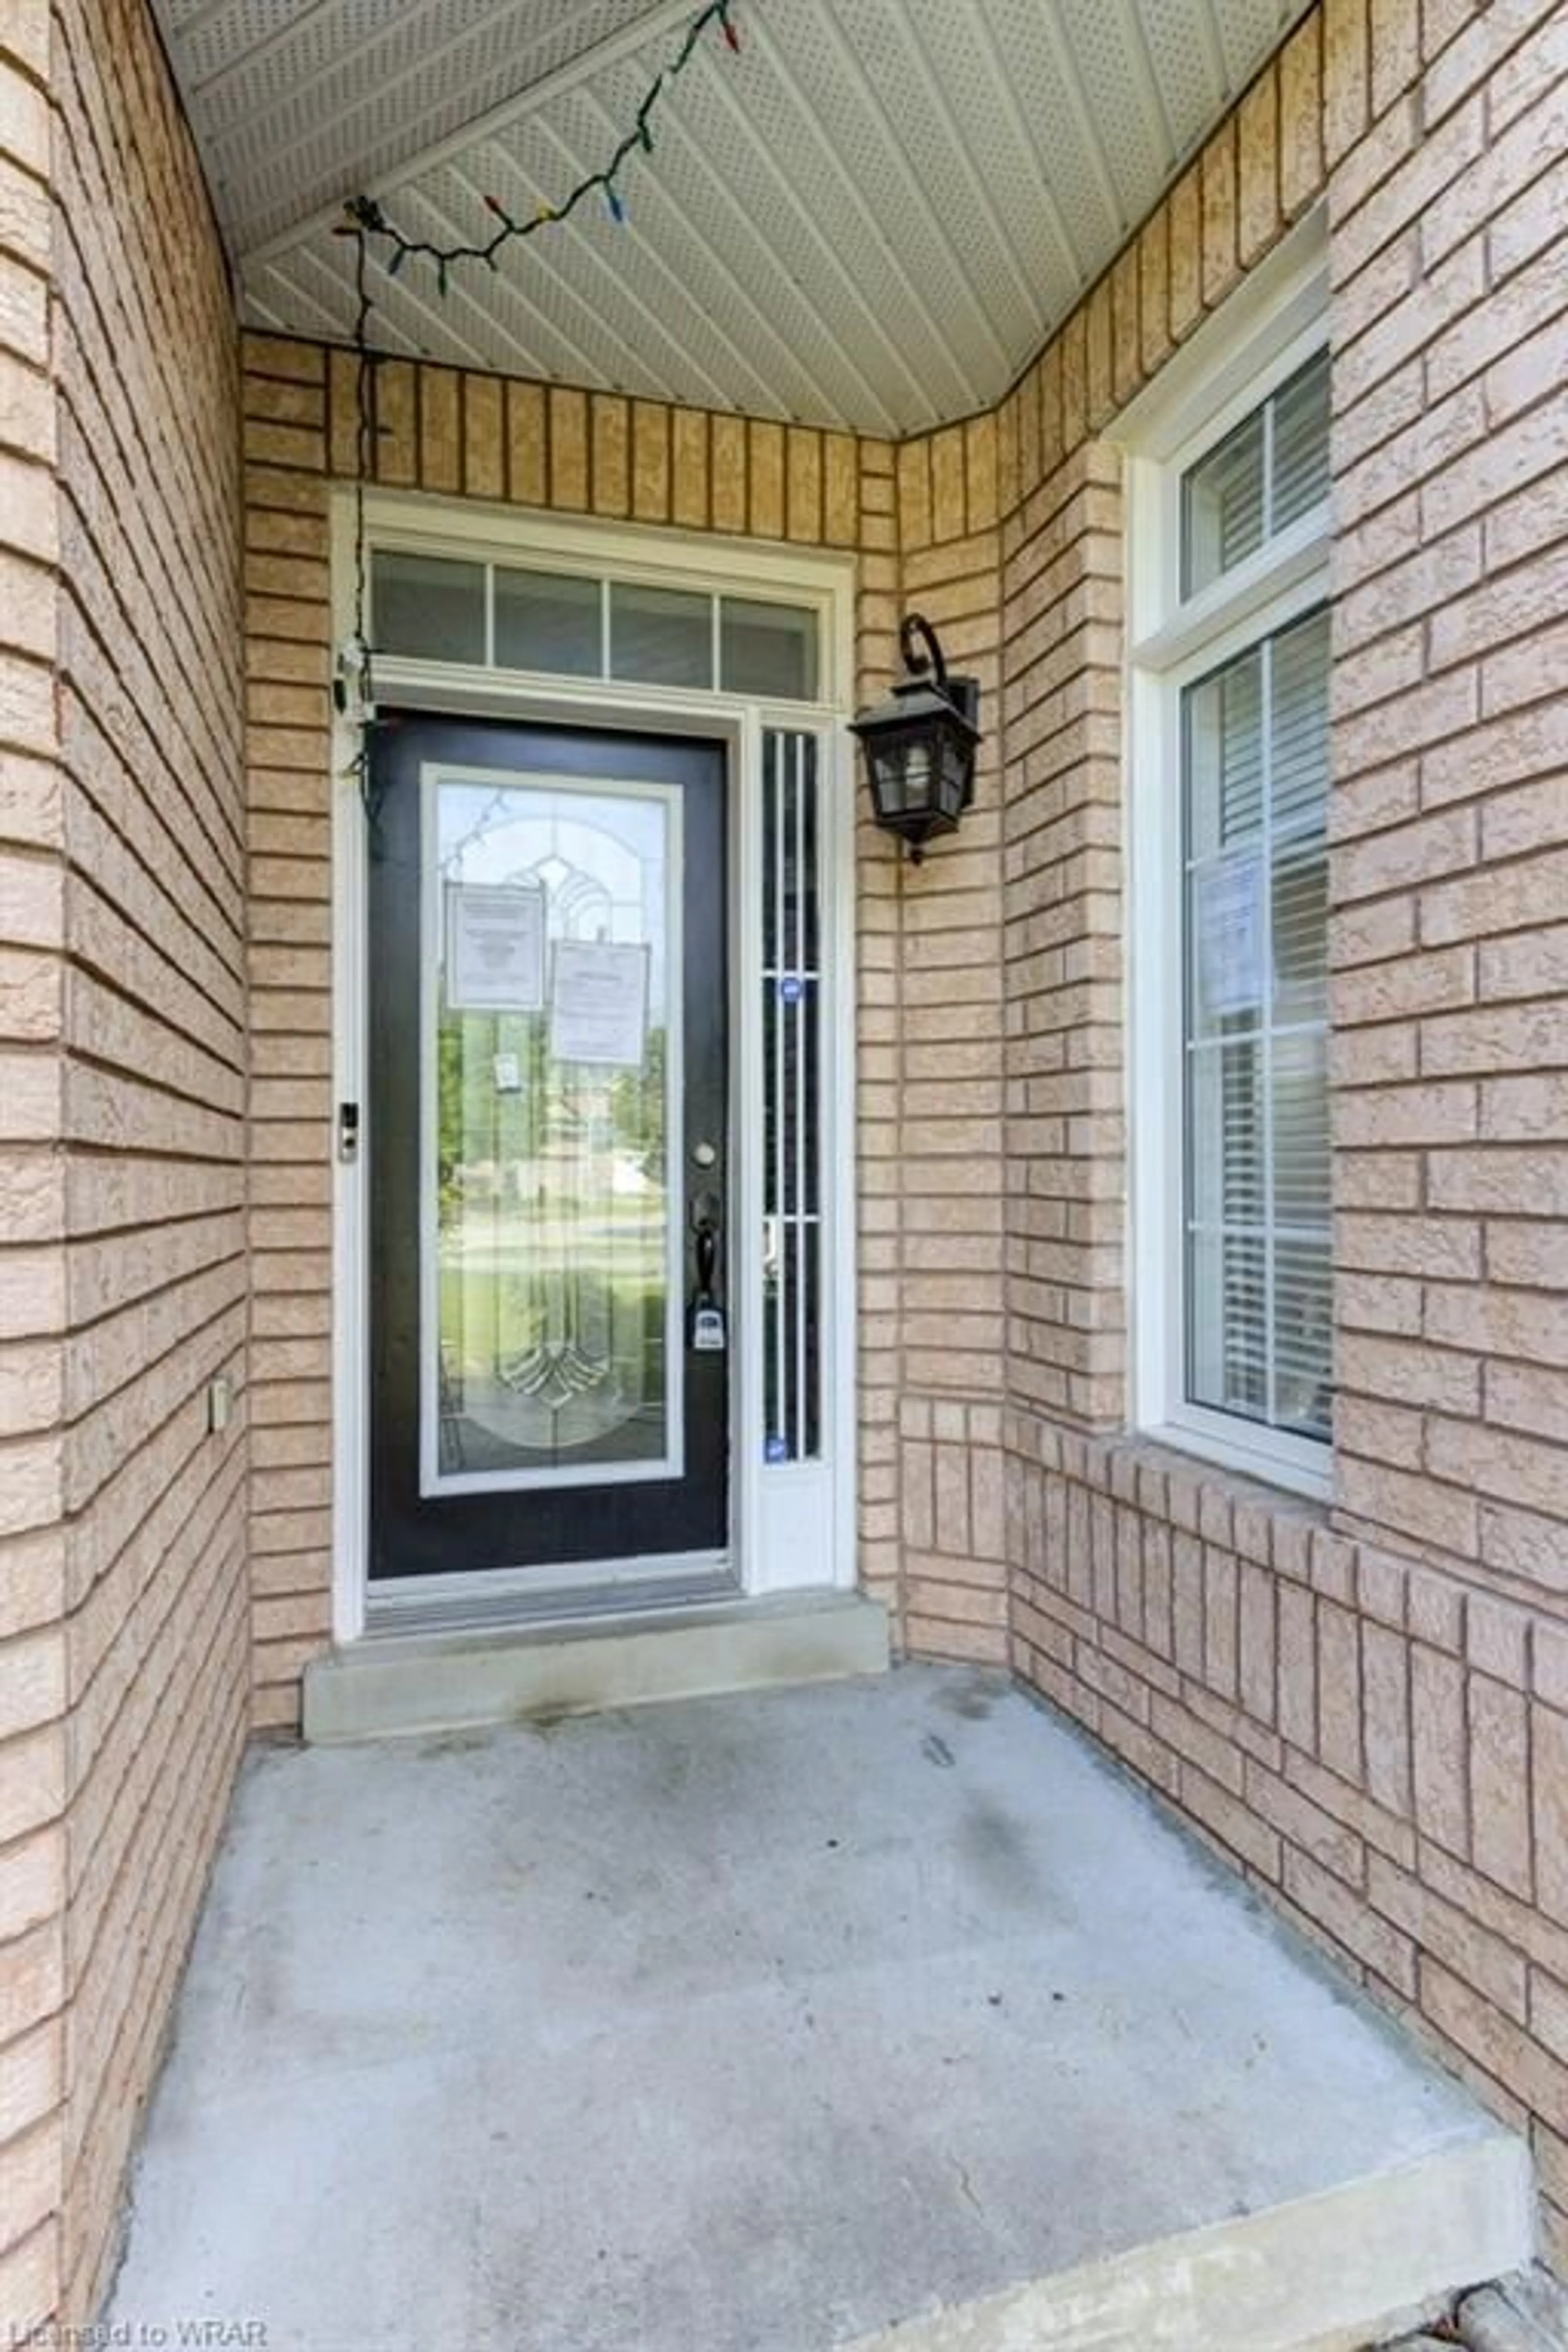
x=482 y=1321
x=552 y=1215
x=480 y=1128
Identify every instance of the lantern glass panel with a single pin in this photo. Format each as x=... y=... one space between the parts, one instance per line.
x=916 y=779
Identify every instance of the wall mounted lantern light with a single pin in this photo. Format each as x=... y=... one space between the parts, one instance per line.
x=920 y=744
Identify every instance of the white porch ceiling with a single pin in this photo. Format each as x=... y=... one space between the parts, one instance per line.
x=870 y=217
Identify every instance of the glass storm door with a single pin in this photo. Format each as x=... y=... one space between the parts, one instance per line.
x=549 y=1139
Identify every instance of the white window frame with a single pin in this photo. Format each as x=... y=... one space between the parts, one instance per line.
x=1272 y=327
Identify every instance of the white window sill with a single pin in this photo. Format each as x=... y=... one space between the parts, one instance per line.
x=1263 y=1463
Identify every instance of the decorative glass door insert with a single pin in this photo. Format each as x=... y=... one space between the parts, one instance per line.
x=554 y=1233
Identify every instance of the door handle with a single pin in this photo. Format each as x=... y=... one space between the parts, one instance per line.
x=707 y=1209
x=705 y=1318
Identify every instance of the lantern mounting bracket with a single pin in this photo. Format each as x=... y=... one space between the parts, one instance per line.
x=920 y=648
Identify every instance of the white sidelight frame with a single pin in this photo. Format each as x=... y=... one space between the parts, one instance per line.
x=1268 y=328
x=793 y=1524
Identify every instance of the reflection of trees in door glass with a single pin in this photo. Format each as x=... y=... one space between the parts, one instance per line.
x=552 y=1221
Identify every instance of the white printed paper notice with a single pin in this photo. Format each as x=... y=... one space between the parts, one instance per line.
x=1230 y=916
x=495 y=947
x=599 y=1005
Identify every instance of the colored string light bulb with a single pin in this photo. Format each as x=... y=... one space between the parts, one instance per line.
x=364 y=217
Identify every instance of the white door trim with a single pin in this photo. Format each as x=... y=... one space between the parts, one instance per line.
x=793 y=1526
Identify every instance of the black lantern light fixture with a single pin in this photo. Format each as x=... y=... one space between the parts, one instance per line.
x=920 y=744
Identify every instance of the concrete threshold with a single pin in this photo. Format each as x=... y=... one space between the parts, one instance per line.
x=394 y=1682
x=881 y=2015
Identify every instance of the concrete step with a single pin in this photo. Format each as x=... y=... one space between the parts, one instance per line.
x=391 y=1684
x=1324 y=2274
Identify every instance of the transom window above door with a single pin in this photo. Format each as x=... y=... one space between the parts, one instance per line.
x=563 y=624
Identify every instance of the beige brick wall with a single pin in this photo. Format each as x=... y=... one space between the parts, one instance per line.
x=942 y=1177
x=289 y=974
x=1062 y=588
x=33 y=1281
x=123 y=1639
x=1365 y=1708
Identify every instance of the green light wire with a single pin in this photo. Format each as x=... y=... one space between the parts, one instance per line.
x=367 y=219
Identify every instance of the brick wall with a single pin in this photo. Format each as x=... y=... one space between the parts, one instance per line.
x=123 y=1662
x=289 y=975
x=1365 y=1708
x=1065 y=1159
x=32 y=1207
x=456 y=434
x=944 y=1184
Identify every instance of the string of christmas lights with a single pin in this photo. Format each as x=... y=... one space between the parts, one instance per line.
x=366 y=219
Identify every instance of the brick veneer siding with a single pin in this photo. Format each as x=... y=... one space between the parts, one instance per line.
x=943 y=1190
x=1365 y=1707
x=124 y=1632
x=457 y=434
x=33 y=1738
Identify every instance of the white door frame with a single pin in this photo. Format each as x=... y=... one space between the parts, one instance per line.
x=793 y=1526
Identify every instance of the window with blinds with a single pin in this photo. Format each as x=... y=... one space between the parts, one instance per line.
x=1255 y=790
x=1263 y=477
x=1230 y=1195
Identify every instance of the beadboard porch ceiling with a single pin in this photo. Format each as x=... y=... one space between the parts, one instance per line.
x=869 y=217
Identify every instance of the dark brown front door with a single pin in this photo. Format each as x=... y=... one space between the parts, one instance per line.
x=547 y=1139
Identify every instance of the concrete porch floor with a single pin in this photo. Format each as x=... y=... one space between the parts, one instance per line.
x=771 y=2023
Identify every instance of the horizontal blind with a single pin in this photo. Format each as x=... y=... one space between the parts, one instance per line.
x=1298 y=443
x=1255 y=790
x=1266 y=474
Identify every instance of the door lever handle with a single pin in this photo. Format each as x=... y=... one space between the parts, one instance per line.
x=707 y=1259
